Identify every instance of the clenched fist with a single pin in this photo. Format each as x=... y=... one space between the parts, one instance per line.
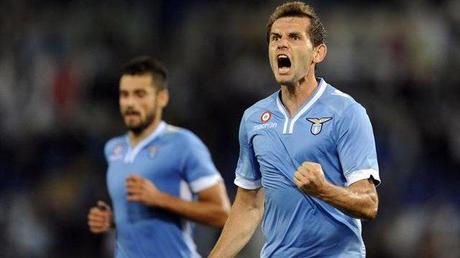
x=100 y=218
x=309 y=178
x=142 y=190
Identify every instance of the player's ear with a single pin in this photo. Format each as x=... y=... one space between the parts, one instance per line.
x=320 y=53
x=163 y=98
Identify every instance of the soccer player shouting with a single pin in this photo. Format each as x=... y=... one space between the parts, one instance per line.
x=307 y=161
x=159 y=176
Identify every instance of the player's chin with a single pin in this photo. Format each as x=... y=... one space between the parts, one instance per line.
x=282 y=76
x=97 y=231
x=133 y=126
x=284 y=80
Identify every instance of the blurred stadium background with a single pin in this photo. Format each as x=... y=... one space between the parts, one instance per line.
x=59 y=64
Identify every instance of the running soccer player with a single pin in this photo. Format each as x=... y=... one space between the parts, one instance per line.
x=307 y=159
x=159 y=176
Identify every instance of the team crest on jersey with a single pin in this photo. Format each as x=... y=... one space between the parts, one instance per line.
x=117 y=152
x=265 y=117
x=317 y=124
x=152 y=150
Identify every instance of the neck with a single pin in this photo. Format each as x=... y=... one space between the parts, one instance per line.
x=294 y=96
x=134 y=138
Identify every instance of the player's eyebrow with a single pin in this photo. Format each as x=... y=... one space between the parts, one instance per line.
x=296 y=34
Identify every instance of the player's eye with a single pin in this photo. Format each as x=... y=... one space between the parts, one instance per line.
x=140 y=93
x=295 y=37
x=275 y=37
x=123 y=94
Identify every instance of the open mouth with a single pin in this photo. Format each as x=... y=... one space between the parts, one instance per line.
x=284 y=63
x=131 y=113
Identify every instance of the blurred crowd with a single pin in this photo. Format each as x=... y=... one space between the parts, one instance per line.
x=59 y=71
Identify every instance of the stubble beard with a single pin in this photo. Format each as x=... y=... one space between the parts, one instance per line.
x=137 y=129
x=289 y=83
x=293 y=82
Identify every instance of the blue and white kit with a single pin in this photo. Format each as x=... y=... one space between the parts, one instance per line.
x=178 y=163
x=331 y=129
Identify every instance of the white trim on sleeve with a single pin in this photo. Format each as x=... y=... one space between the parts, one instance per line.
x=247 y=184
x=357 y=175
x=204 y=182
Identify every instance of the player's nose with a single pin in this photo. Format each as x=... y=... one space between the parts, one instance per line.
x=282 y=43
x=128 y=102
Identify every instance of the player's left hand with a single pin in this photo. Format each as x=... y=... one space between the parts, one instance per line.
x=142 y=190
x=310 y=179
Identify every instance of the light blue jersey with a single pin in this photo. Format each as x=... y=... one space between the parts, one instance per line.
x=178 y=163
x=331 y=129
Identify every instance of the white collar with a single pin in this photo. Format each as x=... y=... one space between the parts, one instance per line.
x=132 y=152
x=288 y=127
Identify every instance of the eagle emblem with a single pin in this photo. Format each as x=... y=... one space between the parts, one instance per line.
x=153 y=150
x=317 y=124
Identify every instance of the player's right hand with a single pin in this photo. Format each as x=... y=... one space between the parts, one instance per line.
x=100 y=218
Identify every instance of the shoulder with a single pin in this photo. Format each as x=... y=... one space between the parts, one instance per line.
x=181 y=136
x=115 y=144
x=339 y=102
x=115 y=141
x=266 y=105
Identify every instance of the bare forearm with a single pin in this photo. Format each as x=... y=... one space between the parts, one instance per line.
x=239 y=228
x=357 y=202
x=200 y=211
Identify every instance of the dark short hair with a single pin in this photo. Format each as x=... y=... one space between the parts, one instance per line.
x=317 y=32
x=143 y=65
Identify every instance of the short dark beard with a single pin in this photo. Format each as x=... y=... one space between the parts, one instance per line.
x=137 y=130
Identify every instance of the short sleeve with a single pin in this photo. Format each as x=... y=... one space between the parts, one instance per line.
x=356 y=146
x=198 y=168
x=247 y=174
